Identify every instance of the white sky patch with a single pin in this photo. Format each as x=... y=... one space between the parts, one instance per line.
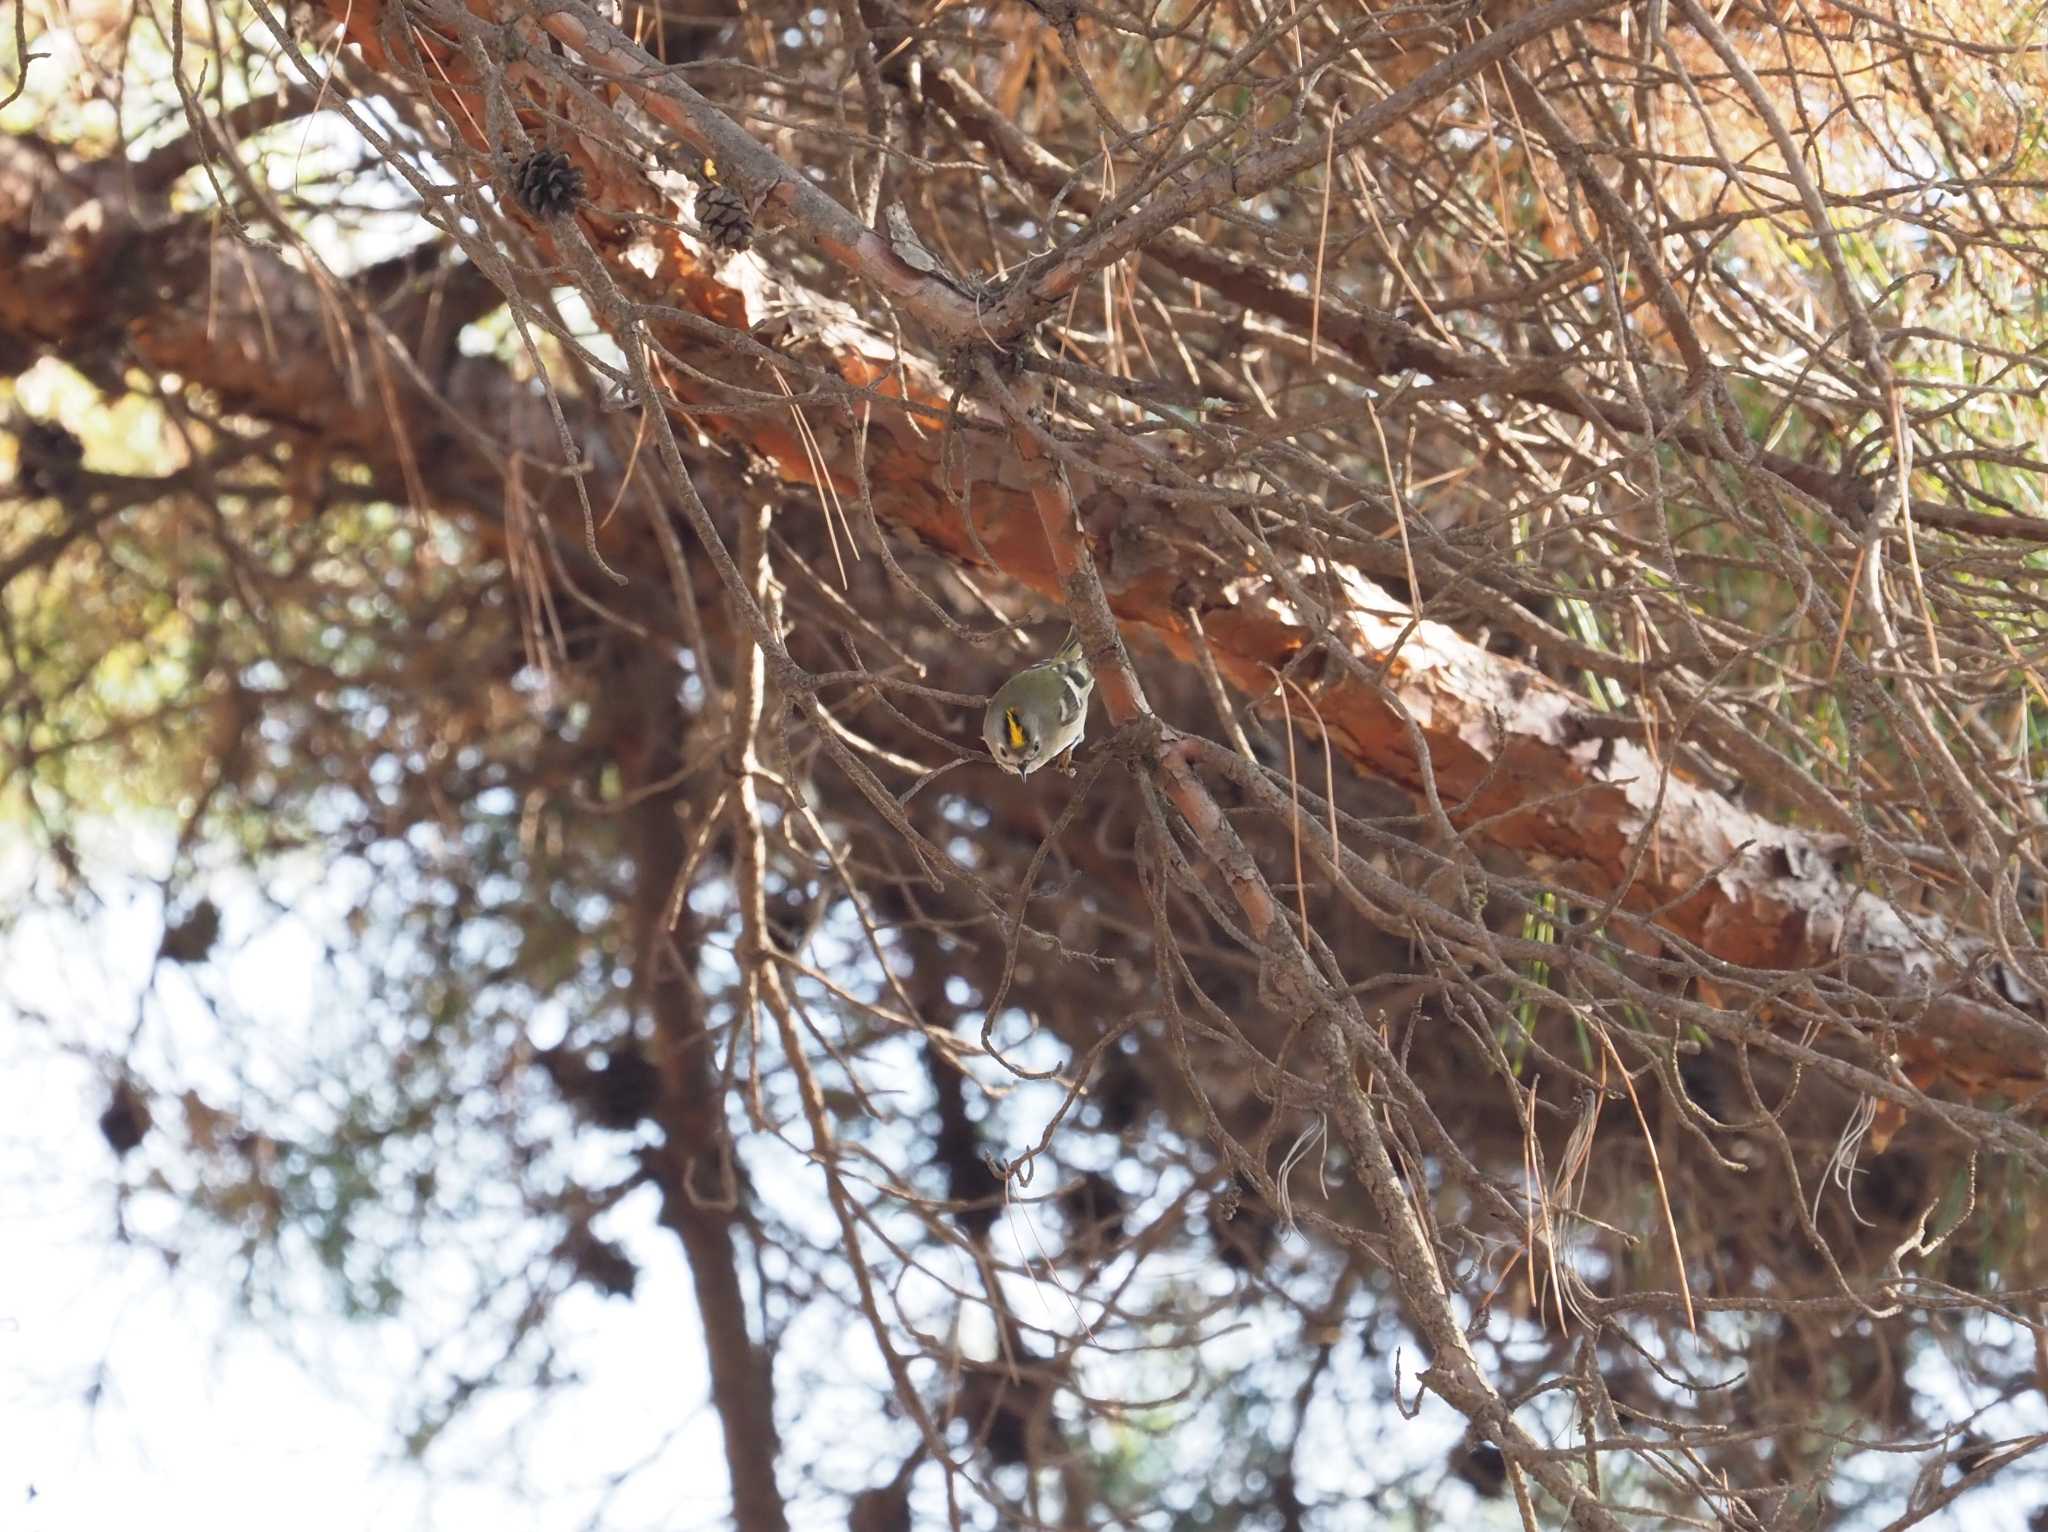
x=132 y=1394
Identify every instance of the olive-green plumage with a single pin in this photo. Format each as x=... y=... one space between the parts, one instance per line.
x=1041 y=711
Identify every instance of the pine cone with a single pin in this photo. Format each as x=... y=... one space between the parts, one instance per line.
x=48 y=460
x=724 y=217
x=125 y=1120
x=191 y=936
x=615 y=1091
x=547 y=185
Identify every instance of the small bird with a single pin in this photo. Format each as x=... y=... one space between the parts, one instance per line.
x=1040 y=711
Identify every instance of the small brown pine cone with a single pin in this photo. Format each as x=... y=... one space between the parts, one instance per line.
x=724 y=217
x=125 y=1121
x=50 y=458
x=190 y=937
x=547 y=184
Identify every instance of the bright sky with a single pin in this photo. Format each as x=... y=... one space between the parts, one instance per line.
x=134 y=1396
x=201 y=1426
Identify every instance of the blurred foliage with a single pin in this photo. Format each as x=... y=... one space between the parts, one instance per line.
x=585 y=936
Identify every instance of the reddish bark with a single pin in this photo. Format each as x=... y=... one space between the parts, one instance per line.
x=1513 y=755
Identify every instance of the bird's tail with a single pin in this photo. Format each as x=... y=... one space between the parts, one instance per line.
x=1070 y=650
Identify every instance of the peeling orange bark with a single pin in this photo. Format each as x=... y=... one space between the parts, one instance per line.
x=1507 y=749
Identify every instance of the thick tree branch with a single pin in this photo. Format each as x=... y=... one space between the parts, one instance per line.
x=1508 y=751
